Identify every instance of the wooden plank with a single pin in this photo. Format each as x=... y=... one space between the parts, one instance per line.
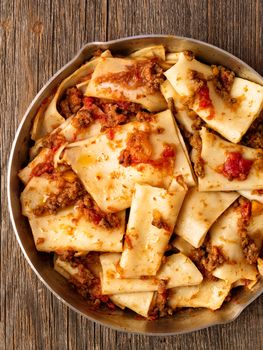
x=235 y=26
x=36 y=39
x=184 y=17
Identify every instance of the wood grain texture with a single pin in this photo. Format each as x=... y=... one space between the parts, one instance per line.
x=36 y=39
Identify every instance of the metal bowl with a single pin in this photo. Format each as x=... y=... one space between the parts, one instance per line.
x=181 y=322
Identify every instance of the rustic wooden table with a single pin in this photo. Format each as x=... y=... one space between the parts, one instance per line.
x=36 y=39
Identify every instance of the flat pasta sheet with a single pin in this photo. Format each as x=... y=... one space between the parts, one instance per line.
x=146 y=240
x=177 y=270
x=68 y=229
x=96 y=161
x=231 y=121
x=224 y=234
x=199 y=211
x=138 y=210
x=138 y=302
x=213 y=179
x=208 y=294
x=108 y=68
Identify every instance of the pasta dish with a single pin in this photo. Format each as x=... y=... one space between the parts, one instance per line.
x=145 y=181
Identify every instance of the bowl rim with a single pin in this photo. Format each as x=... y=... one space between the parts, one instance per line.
x=12 y=153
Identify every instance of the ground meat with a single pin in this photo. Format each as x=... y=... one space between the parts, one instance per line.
x=109 y=113
x=89 y=208
x=42 y=168
x=113 y=116
x=90 y=289
x=66 y=255
x=71 y=102
x=160 y=307
x=113 y=113
x=189 y=55
x=198 y=79
x=85 y=282
x=146 y=73
x=196 y=143
x=223 y=80
x=254 y=136
x=69 y=192
x=138 y=148
x=53 y=140
x=197 y=124
x=250 y=249
x=200 y=92
x=207 y=258
x=124 y=107
x=159 y=222
x=144 y=116
x=82 y=119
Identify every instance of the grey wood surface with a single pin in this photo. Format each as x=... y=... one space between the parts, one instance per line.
x=37 y=37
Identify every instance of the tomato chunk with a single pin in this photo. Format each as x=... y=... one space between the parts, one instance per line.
x=236 y=167
x=204 y=97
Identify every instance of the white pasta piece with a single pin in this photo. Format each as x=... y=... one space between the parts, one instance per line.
x=214 y=180
x=149 y=52
x=224 y=234
x=145 y=243
x=49 y=119
x=230 y=121
x=138 y=302
x=68 y=228
x=96 y=161
x=177 y=270
x=182 y=114
x=208 y=294
x=199 y=211
x=153 y=101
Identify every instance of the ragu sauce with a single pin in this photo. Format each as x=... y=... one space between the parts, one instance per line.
x=236 y=167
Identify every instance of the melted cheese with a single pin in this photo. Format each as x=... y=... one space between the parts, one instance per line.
x=208 y=294
x=111 y=184
x=231 y=122
x=199 y=211
x=178 y=270
x=215 y=181
x=154 y=102
x=146 y=243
